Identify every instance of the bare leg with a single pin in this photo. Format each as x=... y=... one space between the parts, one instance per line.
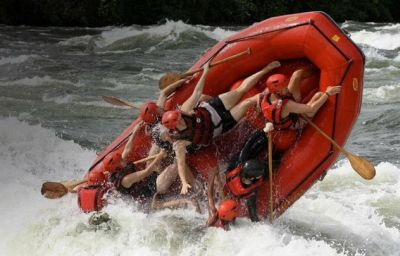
x=156 y=204
x=295 y=81
x=231 y=98
x=166 y=178
x=240 y=110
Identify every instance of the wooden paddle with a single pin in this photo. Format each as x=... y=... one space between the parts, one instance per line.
x=361 y=165
x=53 y=190
x=119 y=102
x=269 y=127
x=271 y=202
x=170 y=78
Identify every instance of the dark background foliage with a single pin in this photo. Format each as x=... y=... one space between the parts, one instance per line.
x=92 y=13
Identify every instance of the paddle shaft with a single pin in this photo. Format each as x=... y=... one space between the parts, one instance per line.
x=326 y=136
x=362 y=166
x=271 y=202
x=119 y=102
x=246 y=52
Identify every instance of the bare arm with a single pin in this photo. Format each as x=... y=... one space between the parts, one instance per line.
x=312 y=106
x=128 y=147
x=168 y=90
x=192 y=101
x=180 y=151
x=135 y=177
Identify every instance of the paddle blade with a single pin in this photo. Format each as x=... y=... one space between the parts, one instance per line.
x=362 y=166
x=168 y=79
x=53 y=190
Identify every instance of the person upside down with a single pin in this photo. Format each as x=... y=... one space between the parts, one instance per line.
x=244 y=176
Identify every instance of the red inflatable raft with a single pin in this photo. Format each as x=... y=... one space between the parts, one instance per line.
x=310 y=39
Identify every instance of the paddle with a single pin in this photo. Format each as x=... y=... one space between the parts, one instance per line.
x=119 y=102
x=268 y=129
x=271 y=202
x=170 y=78
x=53 y=190
x=361 y=165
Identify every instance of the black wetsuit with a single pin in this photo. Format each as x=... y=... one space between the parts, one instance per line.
x=257 y=142
x=142 y=189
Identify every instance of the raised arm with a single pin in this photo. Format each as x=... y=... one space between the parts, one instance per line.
x=192 y=101
x=180 y=151
x=170 y=89
x=312 y=106
x=128 y=147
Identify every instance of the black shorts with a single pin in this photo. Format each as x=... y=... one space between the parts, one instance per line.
x=227 y=120
x=141 y=189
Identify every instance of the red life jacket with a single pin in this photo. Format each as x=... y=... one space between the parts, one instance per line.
x=199 y=129
x=235 y=185
x=272 y=111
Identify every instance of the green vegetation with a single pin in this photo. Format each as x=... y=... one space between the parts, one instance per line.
x=212 y=12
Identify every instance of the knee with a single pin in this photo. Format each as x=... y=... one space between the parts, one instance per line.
x=247 y=103
x=161 y=187
x=125 y=182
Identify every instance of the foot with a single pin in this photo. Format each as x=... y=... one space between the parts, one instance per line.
x=272 y=65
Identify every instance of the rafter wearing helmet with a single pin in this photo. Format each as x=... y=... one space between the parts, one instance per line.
x=198 y=124
x=280 y=104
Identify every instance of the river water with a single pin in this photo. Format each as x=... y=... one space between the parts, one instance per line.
x=53 y=122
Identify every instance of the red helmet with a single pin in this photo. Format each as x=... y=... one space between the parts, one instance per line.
x=276 y=83
x=112 y=161
x=228 y=210
x=170 y=119
x=96 y=177
x=149 y=112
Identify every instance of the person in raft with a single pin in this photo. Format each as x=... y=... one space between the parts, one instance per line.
x=124 y=175
x=158 y=175
x=280 y=104
x=195 y=124
x=247 y=170
x=227 y=211
x=139 y=184
x=151 y=113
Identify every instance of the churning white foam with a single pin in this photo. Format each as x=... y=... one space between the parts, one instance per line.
x=346 y=208
x=388 y=40
x=383 y=94
x=168 y=32
x=30 y=155
x=336 y=213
